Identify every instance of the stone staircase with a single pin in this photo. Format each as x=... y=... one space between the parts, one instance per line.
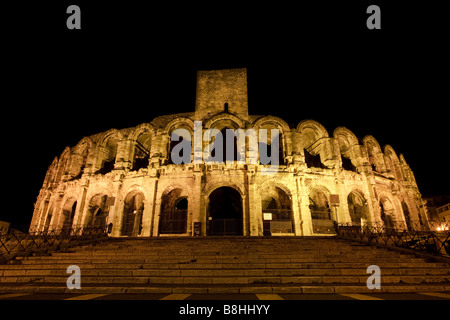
x=224 y=265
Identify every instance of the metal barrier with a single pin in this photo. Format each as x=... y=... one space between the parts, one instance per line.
x=18 y=242
x=433 y=237
x=224 y=227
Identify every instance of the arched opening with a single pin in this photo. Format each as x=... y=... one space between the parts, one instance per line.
x=347 y=142
x=313 y=160
x=347 y=164
x=374 y=154
x=108 y=156
x=174 y=209
x=223 y=148
x=68 y=213
x=78 y=160
x=132 y=214
x=277 y=212
x=141 y=151
x=407 y=215
x=97 y=212
x=266 y=149
x=392 y=163
x=63 y=165
x=386 y=213
x=225 y=212
x=319 y=206
x=183 y=136
x=357 y=207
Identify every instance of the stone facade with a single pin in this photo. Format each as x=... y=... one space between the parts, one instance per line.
x=126 y=177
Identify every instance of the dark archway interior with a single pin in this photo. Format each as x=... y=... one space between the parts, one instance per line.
x=225 y=212
x=225 y=203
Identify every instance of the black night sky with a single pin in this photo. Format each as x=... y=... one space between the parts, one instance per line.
x=131 y=62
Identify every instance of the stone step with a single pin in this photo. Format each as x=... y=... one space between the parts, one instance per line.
x=234 y=248
x=220 y=272
x=188 y=289
x=227 y=253
x=212 y=259
x=28 y=264
x=237 y=264
x=232 y=280
x=224 y=265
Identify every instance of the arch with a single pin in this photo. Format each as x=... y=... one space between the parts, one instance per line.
x=85 y=143
x=387 y=209
x=389 y=151
x=219 y=141
x=345 y=137
x=320 y=210
x=407 y=215
x=110 y=134
x=79 y=157
x=63 y=164
x=370 y=142
x=311 y=139
x=97 y=211
x=107 y=150
x=225 y=212
x=174 y=211
x=142 y=138
x=132 y=213
x=271 y=120
x=209 y=189
x=140 y=129
x=346 y=141
x=68 y=213
x=276 y=204
x=181 y=122
x=50 y=176
x=227 y=119
x=265 y=144
x=357 y=207
x=311 y=131
x=392 y=162
x=373 y=153
x=271 y=183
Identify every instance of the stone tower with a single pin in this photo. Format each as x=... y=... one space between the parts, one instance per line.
x=221 y=91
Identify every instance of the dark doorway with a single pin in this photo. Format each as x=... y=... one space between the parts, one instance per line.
x=174 y=213
x=68 y=217
x=174 y=217
x=132 y=214
x=225 y=212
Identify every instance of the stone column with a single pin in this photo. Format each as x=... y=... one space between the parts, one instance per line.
x=147 y=215
x=194 y=207
x=304 y=208
x=296 y=210
x=254 y=209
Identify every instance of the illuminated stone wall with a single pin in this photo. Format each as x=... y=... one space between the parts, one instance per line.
x=125 y=177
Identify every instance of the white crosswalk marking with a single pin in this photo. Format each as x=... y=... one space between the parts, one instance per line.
x=263 y=296
x=176 y=296
x=437 y=294
x=13 y=295
x=87 y=296
x=359 y=296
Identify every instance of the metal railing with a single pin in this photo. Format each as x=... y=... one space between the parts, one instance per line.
x=20 y=243
x=174 y=226
x=224 y=227
x=432 y=237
